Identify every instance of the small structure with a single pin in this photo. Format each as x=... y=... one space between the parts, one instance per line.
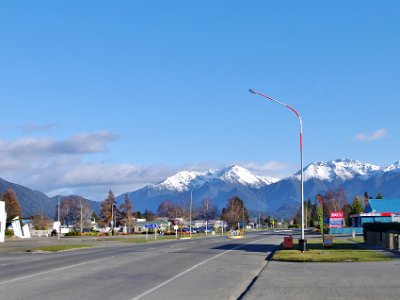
x=378 y=210
x=3 y=218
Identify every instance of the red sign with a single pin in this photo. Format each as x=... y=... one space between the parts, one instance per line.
x=337 y=215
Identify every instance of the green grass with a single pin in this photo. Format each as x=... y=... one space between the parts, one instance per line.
x=342 y=251
x=57 y=248
x=359 y=239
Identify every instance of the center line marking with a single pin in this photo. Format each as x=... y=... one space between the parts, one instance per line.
x=191 y=269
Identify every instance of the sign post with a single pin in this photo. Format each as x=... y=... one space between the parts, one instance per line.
x=151 y=226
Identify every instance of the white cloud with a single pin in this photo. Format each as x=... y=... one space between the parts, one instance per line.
x=57 y=167
x=51 y=165
x=371 y=136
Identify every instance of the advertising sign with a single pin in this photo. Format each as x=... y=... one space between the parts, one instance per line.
x=336 y=223
x=336 y=219
x=337 y=215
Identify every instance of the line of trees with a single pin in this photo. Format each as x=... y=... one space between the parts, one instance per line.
x=334 y=200
x=110 y=214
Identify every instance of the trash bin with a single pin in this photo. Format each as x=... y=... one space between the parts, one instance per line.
x=288 y=242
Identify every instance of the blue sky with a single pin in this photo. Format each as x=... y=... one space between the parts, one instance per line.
x=116 y=94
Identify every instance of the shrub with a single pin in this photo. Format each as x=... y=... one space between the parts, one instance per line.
x=72 y=233
x=169 y=232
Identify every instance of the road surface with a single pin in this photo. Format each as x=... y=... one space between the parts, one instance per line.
x=209 y=268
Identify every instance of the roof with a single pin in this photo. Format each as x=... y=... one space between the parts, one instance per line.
x=383 y=205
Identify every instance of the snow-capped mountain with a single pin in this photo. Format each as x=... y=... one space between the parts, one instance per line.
x=263 y=194
x=345 y=169
x=340 y=169
x=186 y=180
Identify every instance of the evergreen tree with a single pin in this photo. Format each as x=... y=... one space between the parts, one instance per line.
x=108 y=210
x=95 y=217
x=13 y=208
x=356 y=206
x=366 y=197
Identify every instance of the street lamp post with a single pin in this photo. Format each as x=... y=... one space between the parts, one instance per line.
x=302 y=241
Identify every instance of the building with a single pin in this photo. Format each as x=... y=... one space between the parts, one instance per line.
x=378 y=210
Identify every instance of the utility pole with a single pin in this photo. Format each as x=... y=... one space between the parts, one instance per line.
x=190 y=215
x=59 y=223
x=80 y=201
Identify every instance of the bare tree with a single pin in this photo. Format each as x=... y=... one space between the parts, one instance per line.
x=40 y=222
x=126 y=213
x=207 y=210
x=235 y=212
x=335 y=200
x=73 y=209
x=169 y=209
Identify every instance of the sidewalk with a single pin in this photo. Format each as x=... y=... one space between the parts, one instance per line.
x=349 y=280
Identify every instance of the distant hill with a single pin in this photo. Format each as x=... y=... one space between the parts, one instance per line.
x=31 y=202
x=35 y=202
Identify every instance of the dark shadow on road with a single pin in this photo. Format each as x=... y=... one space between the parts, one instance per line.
x=260 y=248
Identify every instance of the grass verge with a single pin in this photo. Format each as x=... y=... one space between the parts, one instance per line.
x=57 y=248
x=342 y=251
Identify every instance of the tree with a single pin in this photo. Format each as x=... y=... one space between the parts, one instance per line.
x=379 y=196
x=334 y=201
x=169 y=210
x=40 y=222
x=356 y=206
x=95 y=217
x=366 y=197
x=12 y=206
x=73 y=209
x=109 y=211
x=149 y=215
x=207 y=210
x=234 y=212
x=126 y=212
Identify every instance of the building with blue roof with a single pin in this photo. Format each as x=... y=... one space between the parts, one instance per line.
x=378 y=210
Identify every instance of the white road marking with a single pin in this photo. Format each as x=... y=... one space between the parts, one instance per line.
x=50 y=271
x=191 y=269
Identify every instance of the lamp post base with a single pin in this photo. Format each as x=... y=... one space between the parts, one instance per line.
x=302 y=245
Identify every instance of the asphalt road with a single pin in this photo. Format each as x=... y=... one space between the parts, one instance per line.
x=209 y=268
